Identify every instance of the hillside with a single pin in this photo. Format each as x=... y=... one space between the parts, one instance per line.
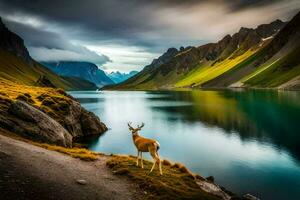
x=16 y=65
x=84 y=70
x=263 y=57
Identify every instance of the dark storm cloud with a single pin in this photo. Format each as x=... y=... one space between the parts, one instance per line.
x=38 y=38
x=111 y=19
x=151 y=25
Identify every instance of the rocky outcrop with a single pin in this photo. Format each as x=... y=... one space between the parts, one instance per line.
x=44 y=82
x=28 y=121
x=166 y=57
x=76 y=120
x=91 y=124
x=47 y=115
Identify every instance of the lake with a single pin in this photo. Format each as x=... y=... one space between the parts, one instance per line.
x=248 y=140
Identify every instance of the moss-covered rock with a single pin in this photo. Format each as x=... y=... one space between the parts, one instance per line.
x=55 y=103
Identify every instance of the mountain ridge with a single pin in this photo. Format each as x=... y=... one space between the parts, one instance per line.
x=118 y=77
x=80 y=69
x=217 y=65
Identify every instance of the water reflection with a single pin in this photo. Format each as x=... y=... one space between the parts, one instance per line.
x=264 y=116
x=247 y=139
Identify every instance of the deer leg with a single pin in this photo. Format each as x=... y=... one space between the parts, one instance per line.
x=152 y=153
x=159 y=164
x=137 y=159
x=142 y=160
x=153 y=165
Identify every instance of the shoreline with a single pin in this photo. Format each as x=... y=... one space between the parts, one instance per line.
x=200 y=88
x=117 y=171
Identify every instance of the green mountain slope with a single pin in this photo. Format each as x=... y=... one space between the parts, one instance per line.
x=274 y=65
x=16 y=65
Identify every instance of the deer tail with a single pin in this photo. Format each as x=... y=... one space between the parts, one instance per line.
x=157 y=146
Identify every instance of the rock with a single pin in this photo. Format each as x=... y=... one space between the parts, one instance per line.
x=210 y=179
x=44 y=82
x=81 y=123
x=250 y=197
x=69 y=113
x=213 y=189
x=81 y=182
x=31 y=122
x=91 y=124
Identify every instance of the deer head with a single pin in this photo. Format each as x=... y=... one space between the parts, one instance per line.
x=135 y=130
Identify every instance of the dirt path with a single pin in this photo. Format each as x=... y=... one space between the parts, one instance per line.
x=30 y=172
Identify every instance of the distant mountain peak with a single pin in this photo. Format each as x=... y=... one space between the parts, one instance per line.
x=81 y=69
x=118 y=77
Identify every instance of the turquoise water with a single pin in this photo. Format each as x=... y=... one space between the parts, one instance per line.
x=248 y=140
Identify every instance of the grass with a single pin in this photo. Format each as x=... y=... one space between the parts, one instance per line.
x=15 y=69
x=276 y=73
x=54 y=102
x=177 y=182
x=81 y=153
x=76 y=152
x=207 y=72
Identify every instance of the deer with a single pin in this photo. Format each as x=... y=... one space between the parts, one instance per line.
x=145 y=145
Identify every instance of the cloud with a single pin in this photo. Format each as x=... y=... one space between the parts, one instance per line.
x=128 y=25
x=45 y=45
x=128 y=57
x=45 y=54
x=212 y=20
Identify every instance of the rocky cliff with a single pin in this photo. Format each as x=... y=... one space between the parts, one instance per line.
x=13 y=43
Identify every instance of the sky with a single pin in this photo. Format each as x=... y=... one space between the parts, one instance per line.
x=126 y=35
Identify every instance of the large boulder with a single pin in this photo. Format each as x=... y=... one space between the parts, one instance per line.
x=91 y=124
x=66 y=110
x=79 y=122
x=30 y=122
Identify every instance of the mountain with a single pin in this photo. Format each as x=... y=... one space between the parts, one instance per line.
x=263 y=57
x=16 y=65
x=118 y=77
x=146 y=72
x=84 y=70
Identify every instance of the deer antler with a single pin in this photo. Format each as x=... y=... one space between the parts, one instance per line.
x=141 y=126
x=129 y=125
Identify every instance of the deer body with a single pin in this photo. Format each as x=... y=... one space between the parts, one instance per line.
x=145 y=145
